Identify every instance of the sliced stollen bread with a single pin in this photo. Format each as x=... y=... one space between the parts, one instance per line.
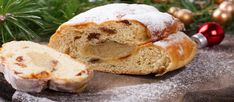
x=31 y=67
x=125 y=39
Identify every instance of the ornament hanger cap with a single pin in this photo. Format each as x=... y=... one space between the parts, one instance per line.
x=200 y=39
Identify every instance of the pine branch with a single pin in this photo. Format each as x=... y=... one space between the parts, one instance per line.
x=19 y=19
x=56 y=12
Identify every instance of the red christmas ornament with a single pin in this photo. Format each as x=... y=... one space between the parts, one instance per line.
x=209 y=34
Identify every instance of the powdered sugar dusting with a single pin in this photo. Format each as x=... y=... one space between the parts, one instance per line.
x=148 y=15
x=19 y=97
x=212 y=68
x=171 y=39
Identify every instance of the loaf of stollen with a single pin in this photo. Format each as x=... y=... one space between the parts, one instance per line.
x=32 y=67
x=125 y=39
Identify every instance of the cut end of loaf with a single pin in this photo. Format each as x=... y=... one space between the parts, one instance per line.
x=143 y=60
x=114 y=46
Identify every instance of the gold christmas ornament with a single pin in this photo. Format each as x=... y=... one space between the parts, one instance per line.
x=160 y=1
x=227 y=6
x=185 y=15
x=173 y=10
x=221 y=16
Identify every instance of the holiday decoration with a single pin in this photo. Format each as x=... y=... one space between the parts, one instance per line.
x=209 y=34
x=227 y=6
x=186 y=16
x=173 y=10
x=17 y=19
x=221 y=16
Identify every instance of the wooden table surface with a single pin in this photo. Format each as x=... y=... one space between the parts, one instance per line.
x=212 y=68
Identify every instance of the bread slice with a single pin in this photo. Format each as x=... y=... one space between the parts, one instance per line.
x=125 y=39
x=31 y=67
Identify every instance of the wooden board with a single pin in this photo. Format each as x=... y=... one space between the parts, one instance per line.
x=212 y=68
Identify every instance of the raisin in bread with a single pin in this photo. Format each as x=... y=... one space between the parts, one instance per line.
x=125 y=39
x=31 y=67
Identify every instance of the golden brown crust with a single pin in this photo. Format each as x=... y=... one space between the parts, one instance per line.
x=155 y=36
x=180 y=52
x=58 y=31
x=170 y=29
